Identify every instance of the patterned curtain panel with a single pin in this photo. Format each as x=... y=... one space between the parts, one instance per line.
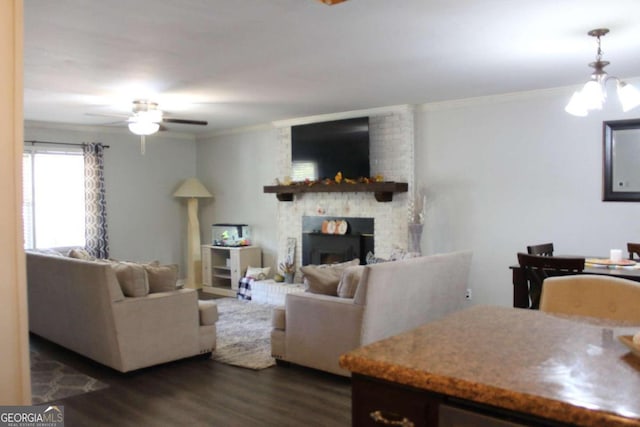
x=97 y=241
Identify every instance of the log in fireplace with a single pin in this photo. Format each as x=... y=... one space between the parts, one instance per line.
x=322 y=248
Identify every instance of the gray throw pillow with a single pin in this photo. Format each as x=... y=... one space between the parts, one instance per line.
x=324 y=278
x=132 y=278
x=162 y=278
x=80 y=254
x=349 y=281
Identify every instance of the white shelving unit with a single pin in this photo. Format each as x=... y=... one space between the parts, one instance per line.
x=224 y=266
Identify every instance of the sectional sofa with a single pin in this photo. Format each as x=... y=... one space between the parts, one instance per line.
x=80 y=304
x=314 y=329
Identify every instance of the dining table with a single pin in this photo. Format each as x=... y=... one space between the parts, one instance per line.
x=521 y=287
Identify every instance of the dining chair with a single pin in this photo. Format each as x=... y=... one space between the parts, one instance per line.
x=592 y=295
x=634 y=250
x=537 y=268
x=545 y=249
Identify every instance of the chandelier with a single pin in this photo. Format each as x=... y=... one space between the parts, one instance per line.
x=594 y=93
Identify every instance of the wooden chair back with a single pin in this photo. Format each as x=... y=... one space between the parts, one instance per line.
x=634 y=250
x=538 y=267
x=545 y=249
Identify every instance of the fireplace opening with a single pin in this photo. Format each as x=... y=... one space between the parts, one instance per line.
x=331 y=258
x=322 y=248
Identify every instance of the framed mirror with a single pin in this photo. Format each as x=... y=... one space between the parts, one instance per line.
x=621 y=140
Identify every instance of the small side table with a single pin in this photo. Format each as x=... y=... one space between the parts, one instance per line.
x=272 y=292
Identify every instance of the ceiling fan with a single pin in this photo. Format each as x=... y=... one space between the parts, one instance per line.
x=147 y=118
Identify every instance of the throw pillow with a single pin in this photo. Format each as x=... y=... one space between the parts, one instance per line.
x=49 y=251
x=324 y=278
x=258 y=273
x=398 y=254
x=132 y=278
x=162 y=278
x=372 y=259
x=349 y=281
x=80 y=254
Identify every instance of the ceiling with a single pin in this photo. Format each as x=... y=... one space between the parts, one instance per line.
x=248 y=62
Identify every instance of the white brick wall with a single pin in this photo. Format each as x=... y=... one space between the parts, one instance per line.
x=391 y=152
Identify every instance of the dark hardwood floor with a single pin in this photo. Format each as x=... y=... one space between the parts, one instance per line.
x=201 y=392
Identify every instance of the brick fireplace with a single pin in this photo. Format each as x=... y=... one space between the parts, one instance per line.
x=391 y=152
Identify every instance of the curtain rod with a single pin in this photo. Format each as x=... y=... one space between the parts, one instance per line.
x=60 y=143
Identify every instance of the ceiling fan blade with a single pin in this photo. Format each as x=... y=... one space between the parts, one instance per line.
x=184 y=121
x=116 y=123
x=116 y=115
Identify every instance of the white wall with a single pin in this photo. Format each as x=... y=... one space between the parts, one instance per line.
x=234 y=167
x=505 y=172
x=145 y=221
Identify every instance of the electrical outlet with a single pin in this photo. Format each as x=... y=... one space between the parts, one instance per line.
x=467 y=295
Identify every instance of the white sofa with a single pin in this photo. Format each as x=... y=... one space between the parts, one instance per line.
x=80 y=305
x=314 y=330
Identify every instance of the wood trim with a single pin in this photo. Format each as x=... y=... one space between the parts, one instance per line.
x=14 y=334
x=383 y=191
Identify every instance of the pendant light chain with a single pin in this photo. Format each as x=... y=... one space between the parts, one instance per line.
x=599 y=53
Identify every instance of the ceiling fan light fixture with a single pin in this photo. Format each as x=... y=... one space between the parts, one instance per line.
x=594 y=93
x=142 y=127
x=150 y=116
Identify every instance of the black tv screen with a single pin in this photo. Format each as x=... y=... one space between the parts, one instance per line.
x=321 y=150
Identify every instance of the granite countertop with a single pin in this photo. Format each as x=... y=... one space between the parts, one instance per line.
x=565 y=369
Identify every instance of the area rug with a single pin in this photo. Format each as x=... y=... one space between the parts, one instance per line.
x=52 y=380
x=244 y=334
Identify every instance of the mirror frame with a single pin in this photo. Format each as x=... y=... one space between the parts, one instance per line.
x=608 y=129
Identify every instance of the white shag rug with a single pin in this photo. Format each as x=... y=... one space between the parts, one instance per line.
x=244 y=334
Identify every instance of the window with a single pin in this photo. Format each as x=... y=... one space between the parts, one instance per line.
x=54 y=197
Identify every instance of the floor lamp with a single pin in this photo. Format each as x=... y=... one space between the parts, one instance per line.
x=192 y=189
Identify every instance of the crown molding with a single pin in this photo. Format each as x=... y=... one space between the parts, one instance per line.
x=508 y=97
x=492 y=99
x=234 y=131
x=344 y=115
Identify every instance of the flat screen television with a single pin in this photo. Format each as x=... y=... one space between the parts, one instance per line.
x=321 y=150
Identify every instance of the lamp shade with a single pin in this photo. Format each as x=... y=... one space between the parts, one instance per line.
x=192 y=188
x=629 y=96
x=576 y=105
x=593 y=95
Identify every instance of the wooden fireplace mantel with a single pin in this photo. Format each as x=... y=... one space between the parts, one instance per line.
x=383 y=191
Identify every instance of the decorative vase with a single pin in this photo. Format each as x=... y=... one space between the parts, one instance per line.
x=415 y=237
x=288 y=278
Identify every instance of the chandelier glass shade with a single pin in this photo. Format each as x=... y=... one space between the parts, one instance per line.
x=143 y=127
x=594 y=93
x=146 y=122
